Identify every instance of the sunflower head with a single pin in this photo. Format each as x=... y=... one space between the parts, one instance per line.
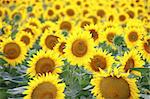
x=119 y=85
x=44 y=62
x=45 y=87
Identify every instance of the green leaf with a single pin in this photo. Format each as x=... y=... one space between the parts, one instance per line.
x=2 y=61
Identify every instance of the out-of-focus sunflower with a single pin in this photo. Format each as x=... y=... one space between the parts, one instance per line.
x=122 y=17
x=14 y=51
x=2 y=12
x=79 y=47
x=133 y=35
x=109 y=34
x=36 y=32
x=100 y=60
x=58 y=5
x=130 y=60
x=144 y=48
x=132 y=12
x=111 y=16
x=34 y=22
x=50 y=13
x=44 y=62
x=65 y=24
x=114 y=85
x=95 y=31
x=71 y=11
x=26 y=38
x=83 y=21
x=90 y=15
x=59 y=48
x=48 y=25
x=45 y=87
x=18 y=15
x=49 y=39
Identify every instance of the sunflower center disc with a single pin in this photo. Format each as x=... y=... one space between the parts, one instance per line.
x=98 y=62
x=70 y=12
x=45 y=65
x=110 y=37
x=50 y=12
x=129 y=64
x=147 y=46
x=25 y=39
x=94 y=34
x=28 y=30
x=12 y=50
x=101 y=13
x=61 y=47
x=122 y=18
x=44 y=90
x=65 y=25
x=84 y=23
x=133 y=36
x=79 y=48
x=51 y=41
x=114 y=88
x=45 y=28
x=131 y=14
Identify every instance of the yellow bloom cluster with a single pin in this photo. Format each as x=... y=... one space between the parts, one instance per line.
x=74 y=30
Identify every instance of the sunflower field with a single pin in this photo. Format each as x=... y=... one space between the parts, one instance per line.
x=74 y=49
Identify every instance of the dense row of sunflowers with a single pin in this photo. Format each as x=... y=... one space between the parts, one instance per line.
x=106 y=37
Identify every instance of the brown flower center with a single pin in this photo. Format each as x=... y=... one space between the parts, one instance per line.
x=12 y=50
x=70 y=12
x=133 y=36
x=45 y=90
x=33 y=24
x=84 y=23
x=50 y=12
x=95 y=20
x=65 y=25
x=101 y=13
x=29 y=30
x=57 y=7
x=51 y=41
x=147 y=46
x=122 y=18
x=114 y=88
x=129 y=64
x=45 y=28
x=131 y=14
x=45 y=65
x=62 y=47
x=110 y=37
x=79 y=48
x=25 y=39
x=98 y=62
x=94 y=34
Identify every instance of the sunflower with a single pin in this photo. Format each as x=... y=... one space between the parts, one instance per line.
x=111 y=16
x=109 y=34
x=50 y=13
x=48 y=25
x=34 y=22
x=26 y=38
x=36 y=32
x=58 y=5
x=65 y=24
x=122 y=17
x=132 y=13
x=79 y=47
x=94 y=30
x=59 y=48
x=44 y=62
x=101 y=59
x=133 y=35
x=45 y=87
x=89 y=14
x=71 y=11
x=49 y=39
x=2 y=13
x=83 y=21
x=14 y=51
x=144 y=48
x=114 y=85
x=130 y=60
x=18 y=14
